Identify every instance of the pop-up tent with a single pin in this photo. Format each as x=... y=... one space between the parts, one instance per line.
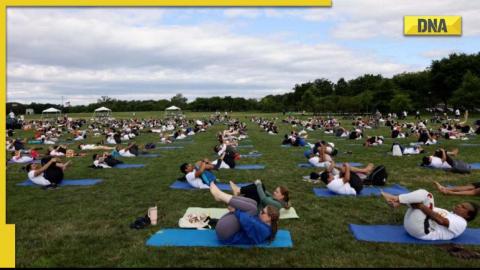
x=102 y=112
x=51 y=113
x=173 y=111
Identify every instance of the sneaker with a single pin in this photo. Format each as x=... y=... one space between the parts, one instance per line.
x=306 y=177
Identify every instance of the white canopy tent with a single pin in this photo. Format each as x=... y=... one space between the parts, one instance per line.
x=173 y=111
x=102 y=112
x=51 y=113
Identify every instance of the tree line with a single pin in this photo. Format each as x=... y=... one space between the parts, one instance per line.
x=450 y=81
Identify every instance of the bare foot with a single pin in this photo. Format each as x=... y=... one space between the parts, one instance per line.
x=370 y=167
x=438 y=186
x=235 y=189
x=392 y=200
x=214 y=191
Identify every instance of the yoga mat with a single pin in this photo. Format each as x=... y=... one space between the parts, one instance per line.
x=285 y=145
x=366 y=191
x=149 y=155
x=251 y=155
x=470 y=144
x=208 y=238
x=308 y=165
x=78 y=182
x=128 y=166
x=33 y=161
x=245 y=146
x=250 y=167
x=473 y=166
x=217 y=213
x=185 y=185
x=169 y=147
x=397 y=234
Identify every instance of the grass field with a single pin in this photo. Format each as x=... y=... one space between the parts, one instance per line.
x=89 y=226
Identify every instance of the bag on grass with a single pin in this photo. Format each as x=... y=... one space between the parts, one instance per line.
x=378 y=177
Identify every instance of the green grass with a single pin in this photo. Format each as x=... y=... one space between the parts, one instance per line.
x=89 y=226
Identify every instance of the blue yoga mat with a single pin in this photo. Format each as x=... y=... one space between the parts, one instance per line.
x=308 y=165
x=245 y=146
x=34 y=161
x=250 y=167
x=169 y=147
x=149 y=155
x=366 y=191
x=78 y=182
x=185 y=185
x=251 y=155
x=286 y=145
x=473 y=166
x=208 y=238
x=397 y=234
x=128 y=166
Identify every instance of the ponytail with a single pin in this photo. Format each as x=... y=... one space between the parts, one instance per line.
x=274 y=216
x=286 y=196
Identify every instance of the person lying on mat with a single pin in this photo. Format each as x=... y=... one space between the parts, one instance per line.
x=57 y=151
x=347 y=182
x=94 y=147
x=469 y=190
x=322 y=159
x=49 y=174
x=443 y=160
x=374 y=141
x=18 y=157
x=105 y=160
x=279 y=198
x=242 y=225
x=130 y=151
x=426 y=222
x=193 y=174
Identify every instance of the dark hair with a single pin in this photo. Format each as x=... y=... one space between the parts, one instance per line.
x=472 y=214
x=274 y=215
x=95 y=156
x=28 y=167
x=324 y=177
x=286 y=196
x=183 y=167
x=426 y=161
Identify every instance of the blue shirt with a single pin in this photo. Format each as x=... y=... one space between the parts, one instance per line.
x=252 y=230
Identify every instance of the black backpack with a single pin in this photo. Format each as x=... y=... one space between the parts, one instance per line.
x=378 y=177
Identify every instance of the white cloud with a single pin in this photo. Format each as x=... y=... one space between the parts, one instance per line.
x=83 y=54
x=372 y=18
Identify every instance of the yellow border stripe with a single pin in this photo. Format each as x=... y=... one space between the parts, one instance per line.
x=7 y=232
x=174 y=3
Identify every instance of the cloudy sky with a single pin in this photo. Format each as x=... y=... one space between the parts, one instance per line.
x=154 y=53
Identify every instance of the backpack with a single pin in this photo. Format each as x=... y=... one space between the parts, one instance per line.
x=378 y=177
x=397 y=150
x=150 y=146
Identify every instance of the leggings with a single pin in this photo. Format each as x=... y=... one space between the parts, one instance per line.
x=251 y=192
x=415 y=221
x=228 y=225
x=53 y=173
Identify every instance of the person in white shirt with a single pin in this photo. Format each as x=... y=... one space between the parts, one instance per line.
x=441 y=159
x=193 y=173
x=94 y=147
x=426 y=222
x=348 y=182
x=36 y=173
